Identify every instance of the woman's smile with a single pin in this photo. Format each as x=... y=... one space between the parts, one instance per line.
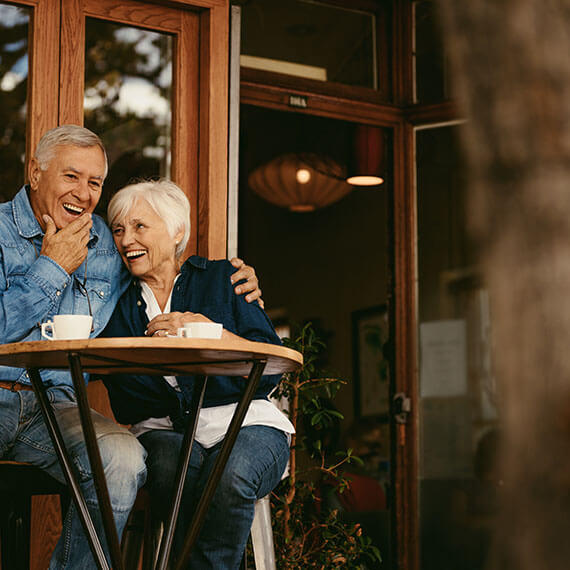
x=135 y=254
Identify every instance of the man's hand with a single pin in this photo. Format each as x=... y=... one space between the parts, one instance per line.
x=251 y=285
x=68 y=246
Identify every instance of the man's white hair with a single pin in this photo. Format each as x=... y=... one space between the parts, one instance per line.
x=72 y=135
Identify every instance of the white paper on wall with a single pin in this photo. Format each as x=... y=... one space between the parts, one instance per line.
x=443 y=358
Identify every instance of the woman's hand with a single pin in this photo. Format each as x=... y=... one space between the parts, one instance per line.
x=168 y=324
x=251 y=285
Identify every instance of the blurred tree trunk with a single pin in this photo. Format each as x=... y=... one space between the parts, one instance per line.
x=512 y=62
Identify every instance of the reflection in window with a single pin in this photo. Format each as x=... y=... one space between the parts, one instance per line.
x=311 y=40
x=460 y=475
x=128 y=80
x=13 y=90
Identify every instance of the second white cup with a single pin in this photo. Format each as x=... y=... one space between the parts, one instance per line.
x=201 y=330
x=68 y=327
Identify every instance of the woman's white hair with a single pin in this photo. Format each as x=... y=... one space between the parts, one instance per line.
x=166 y=199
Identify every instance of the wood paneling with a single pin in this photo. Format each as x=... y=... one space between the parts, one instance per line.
x=277 y=97
x=43 y=70
x=214 y=62
x=405 y=436
x=185 y=119
x=435 y=113
x=129 y=12
x=45 y=530
x=72 y=64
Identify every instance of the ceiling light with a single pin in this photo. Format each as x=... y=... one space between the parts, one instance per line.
x=300 y=183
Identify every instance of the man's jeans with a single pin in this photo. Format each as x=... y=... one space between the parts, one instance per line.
x=24 y=437
x=254 y=468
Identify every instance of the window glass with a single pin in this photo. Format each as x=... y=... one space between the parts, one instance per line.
x=460 y=479
x=430 y=60
x=128 y=81
x=309 y=39
x=13 y=97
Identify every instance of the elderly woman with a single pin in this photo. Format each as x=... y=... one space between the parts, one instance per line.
x=150 y=225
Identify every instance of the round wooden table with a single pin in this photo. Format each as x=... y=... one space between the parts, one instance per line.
x=155 y=356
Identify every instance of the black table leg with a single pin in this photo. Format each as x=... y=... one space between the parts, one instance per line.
x=68 y=468
x=220 y=463
x=96 y=464
x=181 y=469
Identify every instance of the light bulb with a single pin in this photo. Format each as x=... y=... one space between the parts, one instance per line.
x=303 y=175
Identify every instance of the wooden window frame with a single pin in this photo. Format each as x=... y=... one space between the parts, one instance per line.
x=43 y=68
x=199 y=142
x=56 y=82
x=386 y=92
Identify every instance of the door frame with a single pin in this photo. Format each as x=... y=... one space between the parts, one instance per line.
x=401 y=117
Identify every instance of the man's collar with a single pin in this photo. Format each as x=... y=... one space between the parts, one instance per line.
x=25 y=219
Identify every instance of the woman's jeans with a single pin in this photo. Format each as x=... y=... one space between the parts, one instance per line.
x=24 y=437
x=254 y=468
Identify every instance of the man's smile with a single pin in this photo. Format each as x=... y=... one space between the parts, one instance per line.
x=72 y=208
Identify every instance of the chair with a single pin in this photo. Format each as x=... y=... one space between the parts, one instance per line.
x=262 y=536
x=18 y=483
x=144 y=532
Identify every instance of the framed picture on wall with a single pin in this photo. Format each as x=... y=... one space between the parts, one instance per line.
x=370 y=367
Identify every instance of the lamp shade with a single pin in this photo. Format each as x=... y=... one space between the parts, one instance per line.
x=299 y=183
x=366 y=165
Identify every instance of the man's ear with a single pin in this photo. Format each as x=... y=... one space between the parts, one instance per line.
x=34 y=173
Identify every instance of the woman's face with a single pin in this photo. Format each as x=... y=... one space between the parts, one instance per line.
x=145 y=245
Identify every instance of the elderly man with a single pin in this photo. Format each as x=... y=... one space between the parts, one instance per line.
x=57 y=257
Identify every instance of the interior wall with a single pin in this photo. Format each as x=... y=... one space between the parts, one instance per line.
x=319 y=266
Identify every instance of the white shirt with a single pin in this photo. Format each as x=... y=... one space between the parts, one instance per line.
x=213 y=422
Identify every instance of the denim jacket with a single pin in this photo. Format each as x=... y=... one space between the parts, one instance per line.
x=204 y=286
x=34 y=288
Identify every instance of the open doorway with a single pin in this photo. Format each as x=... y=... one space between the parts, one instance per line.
x=329 y=266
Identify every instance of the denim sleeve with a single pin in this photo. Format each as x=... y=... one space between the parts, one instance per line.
x=26 y=298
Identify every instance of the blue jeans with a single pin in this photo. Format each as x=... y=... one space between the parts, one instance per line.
x=254 y=468
x=24 y=437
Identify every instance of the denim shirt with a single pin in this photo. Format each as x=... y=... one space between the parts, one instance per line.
x=204 y=286
x=34 y=288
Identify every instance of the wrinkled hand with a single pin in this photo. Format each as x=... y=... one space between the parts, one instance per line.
x=251 y=285
x=68 y=246
x=168 y=324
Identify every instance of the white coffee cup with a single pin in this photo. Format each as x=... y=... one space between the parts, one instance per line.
x=201 y=330
x=68 y=327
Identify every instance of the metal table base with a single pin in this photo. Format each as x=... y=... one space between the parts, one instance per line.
x=72 y=478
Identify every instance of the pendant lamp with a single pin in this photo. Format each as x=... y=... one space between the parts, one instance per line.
x=301 y=183
x=366 y=164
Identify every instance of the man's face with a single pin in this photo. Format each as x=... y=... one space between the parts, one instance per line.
x=70 y=186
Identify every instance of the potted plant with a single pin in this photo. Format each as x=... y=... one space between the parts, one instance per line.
x=308 y=533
